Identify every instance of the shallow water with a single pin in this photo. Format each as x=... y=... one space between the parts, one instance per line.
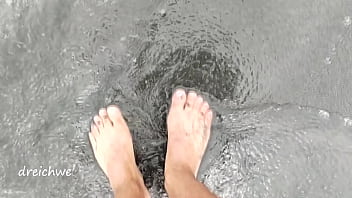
x=60 y=61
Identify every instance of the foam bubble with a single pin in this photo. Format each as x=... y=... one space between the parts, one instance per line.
x=162 y=12
x=347 y=21
x=327 y=60
x=9 y=2
x=348 y=122
x=2 y=172
x=324 y=114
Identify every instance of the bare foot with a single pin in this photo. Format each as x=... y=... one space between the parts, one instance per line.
x=188 y=124
x=112 y=146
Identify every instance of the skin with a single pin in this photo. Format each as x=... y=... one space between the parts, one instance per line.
x=188 y=123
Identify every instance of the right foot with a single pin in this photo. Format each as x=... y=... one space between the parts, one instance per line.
x=188 y=124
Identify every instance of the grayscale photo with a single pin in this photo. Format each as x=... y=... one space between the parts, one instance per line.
x=175 y=98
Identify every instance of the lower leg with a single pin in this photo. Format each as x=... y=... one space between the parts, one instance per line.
x=131 y=186
x=131 y=189
x=113 y=149
x=181 y=183
x=188 y=123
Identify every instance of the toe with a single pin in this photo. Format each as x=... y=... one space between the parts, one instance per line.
x=191 y=99
x=98 y=122
x=94 y=130
x=198 y=103
x=93 y=142
x=104 y=116
x=204 y=108
x=114 y=114
x=178 y=99
x=208 y=118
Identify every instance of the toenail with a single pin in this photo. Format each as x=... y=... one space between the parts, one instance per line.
x=97 y=120
x=180 y=93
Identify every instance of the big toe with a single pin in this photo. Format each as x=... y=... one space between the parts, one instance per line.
x=178 y=100
x=114 y=114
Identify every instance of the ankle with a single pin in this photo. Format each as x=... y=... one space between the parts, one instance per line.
x=177 y=174
x=134 y=185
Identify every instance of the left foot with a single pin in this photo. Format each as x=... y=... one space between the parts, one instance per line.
x=112 y=146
